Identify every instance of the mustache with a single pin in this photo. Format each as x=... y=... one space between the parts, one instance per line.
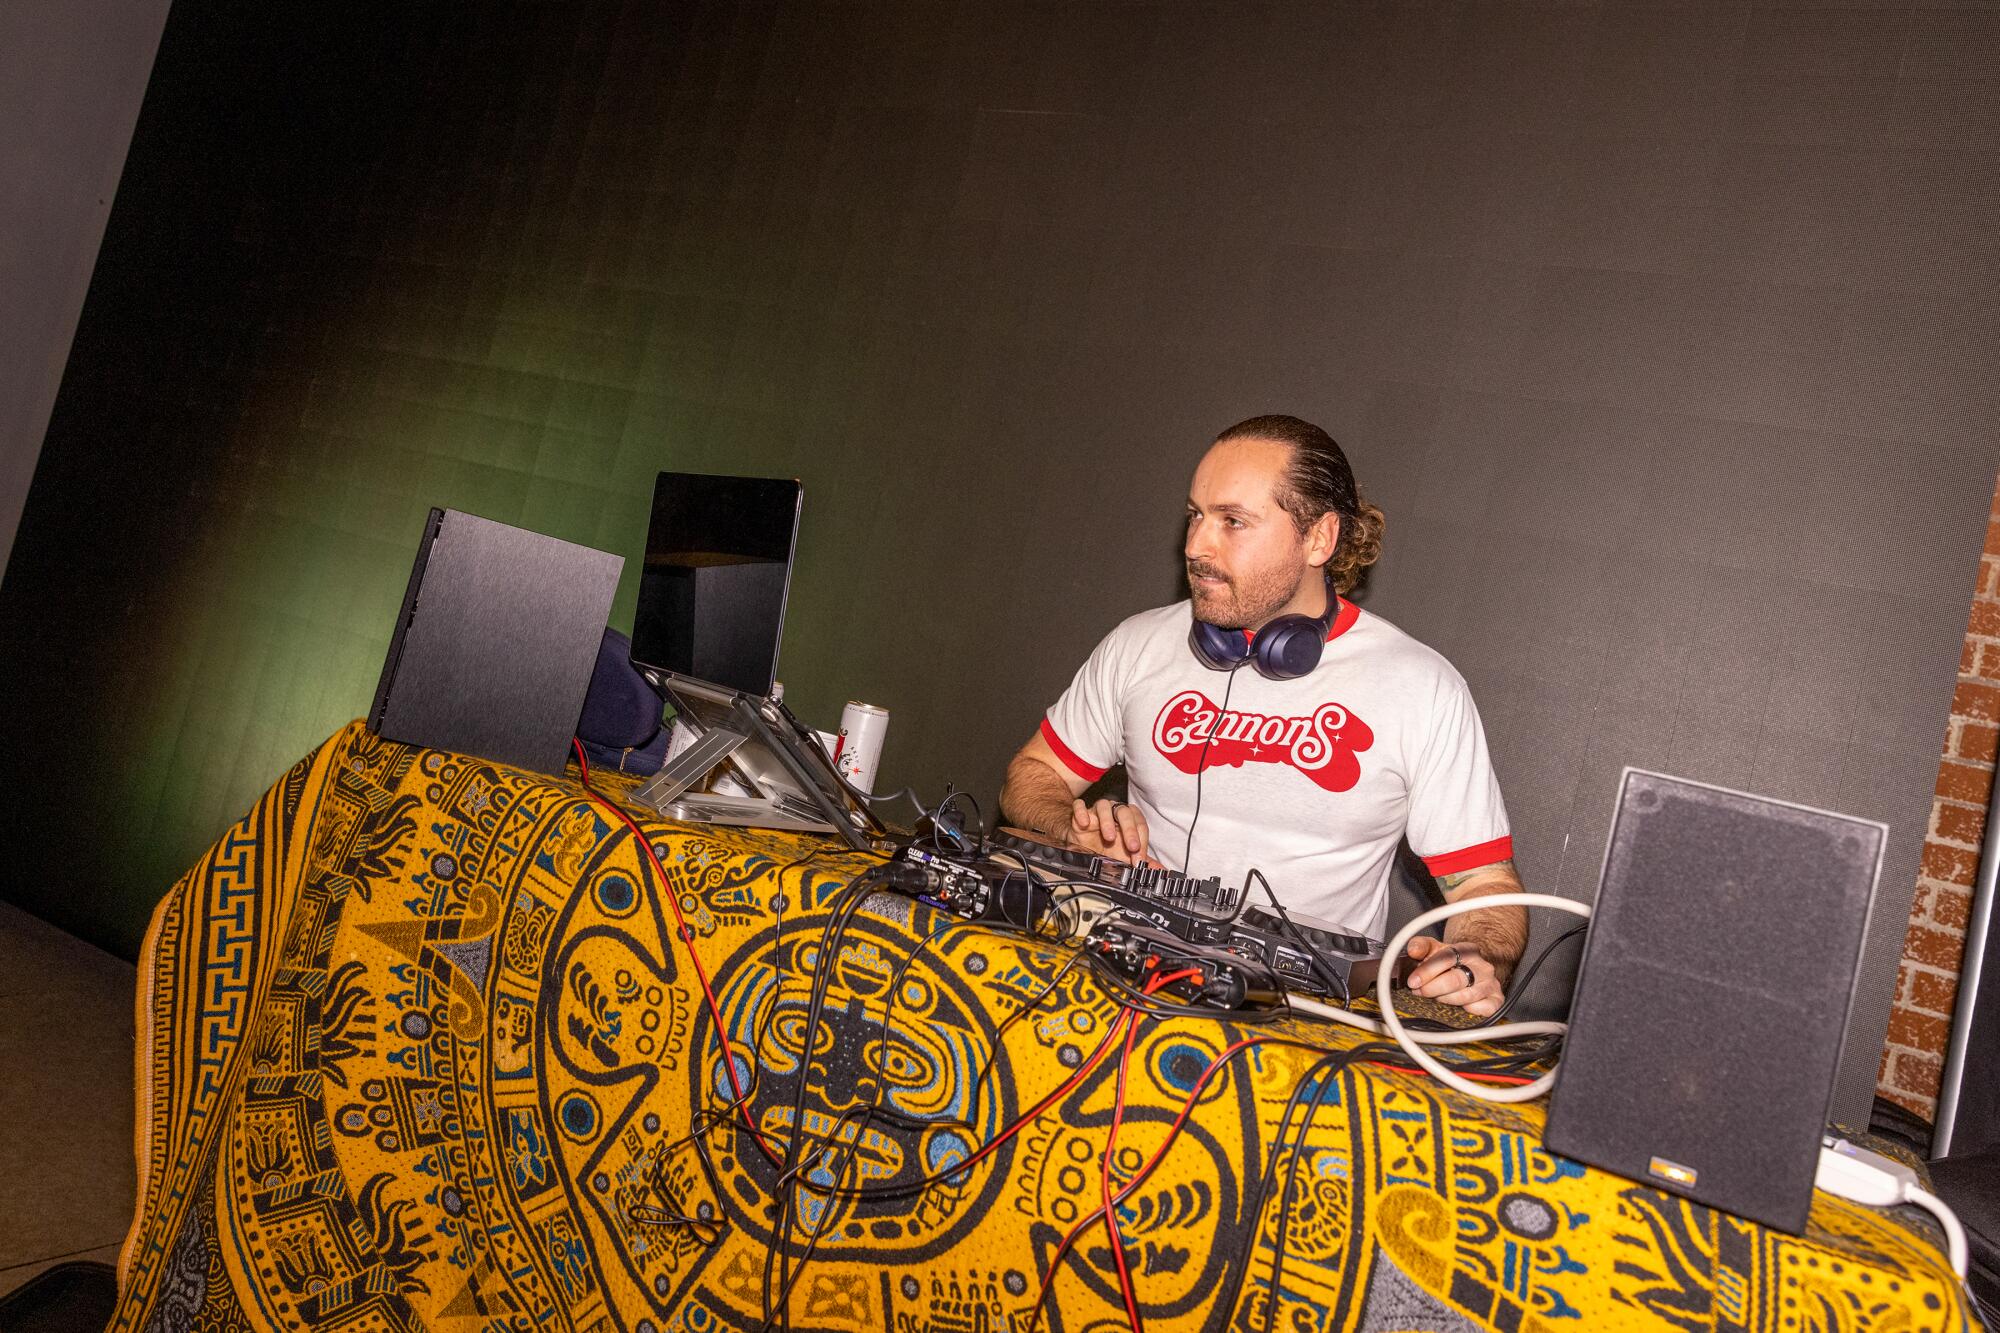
x=1198 y=570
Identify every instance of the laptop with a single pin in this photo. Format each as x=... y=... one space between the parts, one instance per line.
x=718 y=570
x=493 y=648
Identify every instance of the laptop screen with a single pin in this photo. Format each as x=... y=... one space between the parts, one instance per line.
x=718 y=568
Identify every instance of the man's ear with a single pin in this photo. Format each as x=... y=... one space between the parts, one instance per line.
x=1323 y=539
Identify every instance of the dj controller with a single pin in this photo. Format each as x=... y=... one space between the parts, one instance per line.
x=1141 y=920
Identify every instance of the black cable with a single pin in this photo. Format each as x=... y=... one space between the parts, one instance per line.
x=846 y=906
x=1201 y=764
x=1367 y=1053
x=1285 y=1199
x=1331 y=1064
x=1544 y=1049
x=869 y=798
x=858 y=889
x=704 y=1122
x=790 y=1177
x=915 y=1187
x=1111 y=980
x=1030 y=884
x=831 y=934
x=887 y=1190
x=993 y=1053
x=1370 y=1052
x=867 y=1114
x=1325 y=969
x=1130 y=995
x=936 y=817
x=1518 y=986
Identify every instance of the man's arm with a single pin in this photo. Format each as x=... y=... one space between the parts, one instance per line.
x=1041 y=795
x=1487 y=944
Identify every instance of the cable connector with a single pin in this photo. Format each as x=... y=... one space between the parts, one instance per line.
x=1853 y=1172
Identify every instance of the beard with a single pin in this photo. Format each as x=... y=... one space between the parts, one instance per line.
x=1246 y=601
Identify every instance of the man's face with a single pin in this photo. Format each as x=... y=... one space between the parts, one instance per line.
x=1246 y=560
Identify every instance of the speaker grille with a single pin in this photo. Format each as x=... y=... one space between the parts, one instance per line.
x=1714 y=992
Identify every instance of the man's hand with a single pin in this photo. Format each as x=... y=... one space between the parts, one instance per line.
x=1109 y=828
x=1472 y=964
x=1456 y=974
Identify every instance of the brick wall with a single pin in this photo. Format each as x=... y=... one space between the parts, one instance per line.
x=1927 y=984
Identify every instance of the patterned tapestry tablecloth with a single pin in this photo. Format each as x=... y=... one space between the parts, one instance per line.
x=421 y=1046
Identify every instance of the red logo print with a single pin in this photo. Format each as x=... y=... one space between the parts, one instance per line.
x=1322 y=745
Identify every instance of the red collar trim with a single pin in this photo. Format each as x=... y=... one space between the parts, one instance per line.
x=1343 y=619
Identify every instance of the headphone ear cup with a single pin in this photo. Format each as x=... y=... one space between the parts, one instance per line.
x=1217 y=648
x=1289 y=647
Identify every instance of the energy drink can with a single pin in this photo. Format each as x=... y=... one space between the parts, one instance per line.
x=862 y=728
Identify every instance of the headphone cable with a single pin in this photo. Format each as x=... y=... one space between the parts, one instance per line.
x=1201 y=764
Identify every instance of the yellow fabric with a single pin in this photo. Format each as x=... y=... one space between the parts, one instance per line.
x=420 y=1049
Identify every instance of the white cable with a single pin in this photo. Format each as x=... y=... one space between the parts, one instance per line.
x=1864 y=1176
x=1394 y=1026
x=1954 y=1230
x=1460 y=1037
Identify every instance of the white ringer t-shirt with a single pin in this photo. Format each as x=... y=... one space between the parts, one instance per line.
x=1311 y=781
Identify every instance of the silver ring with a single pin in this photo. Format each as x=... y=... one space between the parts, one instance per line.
x=1470 y=980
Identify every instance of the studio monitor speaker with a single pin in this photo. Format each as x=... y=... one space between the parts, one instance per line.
x=492 y=651
x=1714 y=993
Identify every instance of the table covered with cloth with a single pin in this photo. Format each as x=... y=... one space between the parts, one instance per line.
x=422 y=1045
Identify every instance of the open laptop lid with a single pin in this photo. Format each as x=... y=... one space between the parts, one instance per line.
x=718 y=570
x=771 y=752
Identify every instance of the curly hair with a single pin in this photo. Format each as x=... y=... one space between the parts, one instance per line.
x=1318 y=480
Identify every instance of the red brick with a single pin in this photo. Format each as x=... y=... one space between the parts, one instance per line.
x=1964 y=782
x=1951 y=908
x=1977 y=741
x=1917 y=1073
x=1933 y=947
x=1919 y=1032
x=1993 y=534
x=1968 y=658
x=1951 y=865
x=1958 y=823
x=1989 y=662
x=1976 y=699
x=1922 y=1107
x=1931 y=992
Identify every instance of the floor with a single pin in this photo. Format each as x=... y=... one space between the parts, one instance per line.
x=67 y=1182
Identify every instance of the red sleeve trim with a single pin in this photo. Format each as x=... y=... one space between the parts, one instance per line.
x=1075 y=765
x=1471 y=858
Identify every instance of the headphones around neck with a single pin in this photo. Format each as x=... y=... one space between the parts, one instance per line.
x=1285 y=649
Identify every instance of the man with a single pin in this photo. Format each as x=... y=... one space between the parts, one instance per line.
x=1310 y=778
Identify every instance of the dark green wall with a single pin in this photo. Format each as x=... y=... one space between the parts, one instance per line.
x=1663 y=333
